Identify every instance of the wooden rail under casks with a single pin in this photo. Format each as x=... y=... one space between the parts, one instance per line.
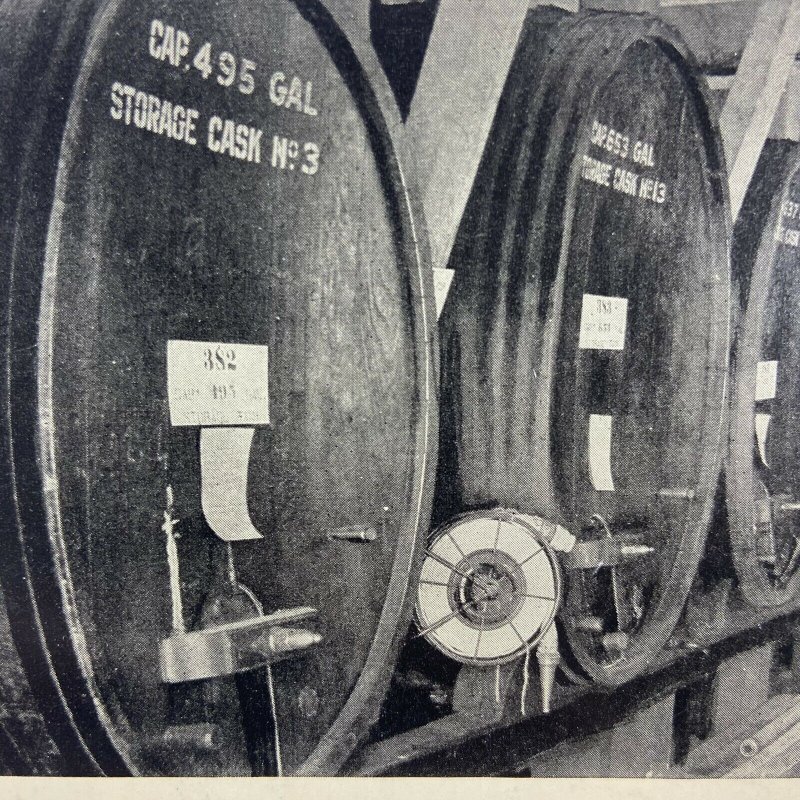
x=470 y=745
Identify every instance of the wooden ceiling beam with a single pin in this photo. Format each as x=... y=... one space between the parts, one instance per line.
x=751 y=105
x=465 y=68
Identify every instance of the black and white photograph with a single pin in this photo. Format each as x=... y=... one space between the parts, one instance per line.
x=400 y=388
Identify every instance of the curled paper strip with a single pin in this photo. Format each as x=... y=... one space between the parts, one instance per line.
x=224 y=462
x=600 y=452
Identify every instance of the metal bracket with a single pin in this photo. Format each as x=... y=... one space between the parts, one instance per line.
x=235 y=647
x=606 y=552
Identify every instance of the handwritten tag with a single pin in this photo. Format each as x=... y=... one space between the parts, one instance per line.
x=214 y=383
x=600 y=452
x=766 y=380
x=442 y=280
x=603 y=322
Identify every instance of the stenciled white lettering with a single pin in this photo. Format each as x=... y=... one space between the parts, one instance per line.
x=131 y=106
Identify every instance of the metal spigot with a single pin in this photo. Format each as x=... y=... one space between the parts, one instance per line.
x=549 y=657
x=278 y=640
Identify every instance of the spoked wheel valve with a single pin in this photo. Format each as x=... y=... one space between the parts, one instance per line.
x=490 y=588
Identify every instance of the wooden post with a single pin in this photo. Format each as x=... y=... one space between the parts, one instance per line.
x=735 y=748
x=639 y=747
x=786 y=124
x=742 y=685
x=465 y=68
x=756 y=91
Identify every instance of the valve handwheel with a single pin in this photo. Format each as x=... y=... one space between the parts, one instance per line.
x=489 y=588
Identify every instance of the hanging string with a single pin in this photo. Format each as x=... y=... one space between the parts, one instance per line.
x=525 y=679
x=273 y=711
x=231 y=566
x=497 y=685
x=178 y=626
x=234 y=582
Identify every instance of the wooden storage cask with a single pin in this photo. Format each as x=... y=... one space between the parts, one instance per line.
x=761 y=472
x=585 y=339
x=198 y=184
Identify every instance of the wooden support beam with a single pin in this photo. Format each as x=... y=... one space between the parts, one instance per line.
x=742 y=686
x=465 y=68
x=778 y=759
x=463 y=745
x=638 y=747
x=786 y=124
x=734 y=747
x=719 y=83
x=750 y=107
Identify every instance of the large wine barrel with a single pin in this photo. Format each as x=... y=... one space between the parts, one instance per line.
x=761 y=473
x=217 y=385
x=585 y=340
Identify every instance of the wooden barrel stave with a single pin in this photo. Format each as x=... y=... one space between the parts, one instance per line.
x=33 y=31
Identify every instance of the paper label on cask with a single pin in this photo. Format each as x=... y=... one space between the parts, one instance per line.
x=442 y=280
x=787 y=236
x=762 y=426
x=217 y=383
x=600 y=452
x=766 y=380
x=224 y=465
x=603 y=322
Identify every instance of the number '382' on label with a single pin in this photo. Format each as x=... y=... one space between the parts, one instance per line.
x=217 y=383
